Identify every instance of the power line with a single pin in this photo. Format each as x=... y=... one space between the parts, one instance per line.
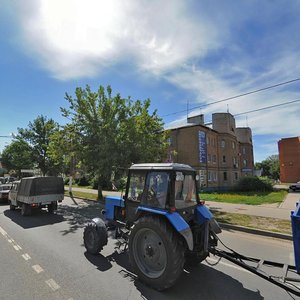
x=267 y=107
x=234 y=97
x=262 y=108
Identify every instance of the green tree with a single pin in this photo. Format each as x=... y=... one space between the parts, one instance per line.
x=270 y=167
x=65 y=150
x=114 y=132
x=17 y=155
x=38 y=135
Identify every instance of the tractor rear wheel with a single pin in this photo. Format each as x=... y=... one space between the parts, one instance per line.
x=95 y=236
x=156 y=252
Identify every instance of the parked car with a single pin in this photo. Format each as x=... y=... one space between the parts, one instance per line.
x=295 y=187
x=4 y=191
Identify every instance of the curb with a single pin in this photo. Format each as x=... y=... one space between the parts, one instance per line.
x=257 y=231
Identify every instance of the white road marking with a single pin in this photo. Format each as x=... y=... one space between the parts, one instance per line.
x=229 y=265
x=26 y=256
x=17 y=247
x=10 y=240
x=38 y=268
x=3 y=232
x=52 y=284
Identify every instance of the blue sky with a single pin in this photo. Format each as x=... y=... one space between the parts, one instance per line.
x=170 y=51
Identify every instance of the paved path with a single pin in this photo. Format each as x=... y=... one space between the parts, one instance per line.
x=279 y=211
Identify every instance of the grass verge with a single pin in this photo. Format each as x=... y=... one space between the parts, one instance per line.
x=245 y=198
x=262 y=223
x=84 y=195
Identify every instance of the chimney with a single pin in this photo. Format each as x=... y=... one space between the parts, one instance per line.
x=197 y=120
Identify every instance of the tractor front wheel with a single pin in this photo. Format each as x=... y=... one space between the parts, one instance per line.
x=156 y=252
x=95 y=236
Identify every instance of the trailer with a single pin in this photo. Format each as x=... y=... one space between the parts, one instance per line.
x=164 y=225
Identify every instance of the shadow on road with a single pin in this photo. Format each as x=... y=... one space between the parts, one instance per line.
x=37 y=219
x=78 y=216
x=201 y=282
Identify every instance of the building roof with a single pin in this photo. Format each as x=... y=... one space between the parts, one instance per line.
x=161 y=166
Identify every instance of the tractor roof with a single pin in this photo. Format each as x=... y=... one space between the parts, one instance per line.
x=162 y=166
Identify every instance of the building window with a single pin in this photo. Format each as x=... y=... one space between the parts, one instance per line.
x=245 y=162
x=222 y=143
x=209 y=176
x=233 y=145
x=225 y=176
x=236 y=177
x=214 y=158
x=244 y=150
x=215 y=178
x=224 y=159
x=170 y=141
x=207 y=140
x=208 y=158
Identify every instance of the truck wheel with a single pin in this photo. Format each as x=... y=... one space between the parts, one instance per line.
x=52 y=207
x=156 y=252
x=11 y=206
x=95 y=236
x=25 y=209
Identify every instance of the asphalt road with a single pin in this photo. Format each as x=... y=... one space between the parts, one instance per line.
x=43 y=257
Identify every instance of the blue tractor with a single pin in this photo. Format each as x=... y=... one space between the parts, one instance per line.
x=161 y=219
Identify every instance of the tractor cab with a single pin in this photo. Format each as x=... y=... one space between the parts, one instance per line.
x=171 y=187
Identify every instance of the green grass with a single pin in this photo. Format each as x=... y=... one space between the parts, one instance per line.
x=84 y=195
x=262 y=223
x=79 y=186
x=245 y=198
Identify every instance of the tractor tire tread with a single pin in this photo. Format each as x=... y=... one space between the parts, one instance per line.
x=175 y=250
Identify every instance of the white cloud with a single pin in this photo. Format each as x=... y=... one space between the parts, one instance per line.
x=250 y=45
x=74 y=38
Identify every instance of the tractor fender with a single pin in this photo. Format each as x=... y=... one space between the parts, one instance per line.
x=99 y=223
x=179 y=224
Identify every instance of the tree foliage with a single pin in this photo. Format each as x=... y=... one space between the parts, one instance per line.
x=38 y=135
x=114 y=132
x=65 y=149
x=17 y=156
x=270 y=166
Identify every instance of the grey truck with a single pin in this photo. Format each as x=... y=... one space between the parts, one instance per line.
x=36 y=192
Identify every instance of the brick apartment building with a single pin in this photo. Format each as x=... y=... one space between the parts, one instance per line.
x=221 y=154
x=289 y=159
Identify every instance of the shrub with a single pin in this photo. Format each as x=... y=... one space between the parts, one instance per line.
x=83 y=181
x=252 y=184
x=67 y=179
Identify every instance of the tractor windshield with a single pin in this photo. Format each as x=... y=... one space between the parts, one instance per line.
x=185 y=190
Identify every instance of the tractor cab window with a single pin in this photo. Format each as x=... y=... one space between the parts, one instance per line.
x=185 y=190
x=156 y=189
x=136 y=186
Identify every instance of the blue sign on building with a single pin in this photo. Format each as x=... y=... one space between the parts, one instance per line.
x=202 y=146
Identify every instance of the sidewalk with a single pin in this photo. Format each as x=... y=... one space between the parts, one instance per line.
x=278 y=211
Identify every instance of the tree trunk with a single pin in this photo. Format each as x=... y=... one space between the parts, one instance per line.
x=100 y=194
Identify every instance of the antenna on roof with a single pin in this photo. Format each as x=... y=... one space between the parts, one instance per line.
x=187 y=109
x=228 y=108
